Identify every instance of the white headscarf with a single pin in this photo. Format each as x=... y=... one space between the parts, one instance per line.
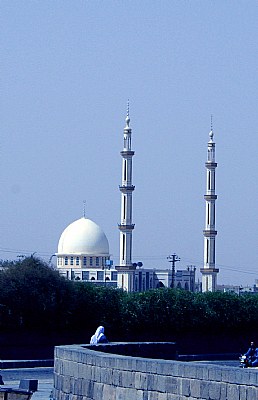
x=97 y=336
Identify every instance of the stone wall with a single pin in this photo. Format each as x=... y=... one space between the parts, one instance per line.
x=81 y=373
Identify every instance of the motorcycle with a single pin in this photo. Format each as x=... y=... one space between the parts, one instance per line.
x=245 y=362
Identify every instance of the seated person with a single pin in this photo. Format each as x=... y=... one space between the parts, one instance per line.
x=99 y=336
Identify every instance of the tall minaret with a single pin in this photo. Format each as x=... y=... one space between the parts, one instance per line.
x=209 y=270
x=126 y=226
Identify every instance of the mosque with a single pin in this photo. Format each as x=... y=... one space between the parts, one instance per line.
x=83 y=249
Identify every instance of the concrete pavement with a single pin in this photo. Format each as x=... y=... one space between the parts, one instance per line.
x=44 y=375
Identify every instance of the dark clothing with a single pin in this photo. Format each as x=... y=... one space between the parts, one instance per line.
x=252 y=357
x=103 y=339
x=251 y=353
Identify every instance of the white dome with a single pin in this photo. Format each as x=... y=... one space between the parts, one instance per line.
x=83 y=237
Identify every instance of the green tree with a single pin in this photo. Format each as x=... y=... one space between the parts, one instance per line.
x=34 y=294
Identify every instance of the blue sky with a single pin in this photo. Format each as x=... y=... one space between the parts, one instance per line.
x=67 y=70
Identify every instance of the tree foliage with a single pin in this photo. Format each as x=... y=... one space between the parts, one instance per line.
x=35 y=297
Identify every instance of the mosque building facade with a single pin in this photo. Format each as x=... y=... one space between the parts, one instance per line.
x=83 y=249
x=83 y=253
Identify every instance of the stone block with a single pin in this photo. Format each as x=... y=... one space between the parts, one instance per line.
x=151 y=368
x=185 y=387
x=171 y=385
x=152 y=396
x=141 y=380
x=225 y=375
x=214 y=373
x=214 y=390
x=125 y=393
x=96 y=373
x=140 y=395
x=77 y=388
x=253 y=377
x=233 y=392
x=162 y=396
x=163 y=368
x=65 y=384
x=252 y=393
x=242 y=392
x=141 y=365
x=223 y=391
x=116 y=377
x=195 y=388
x=190 y=370
x=98 y=390
x=105 y=375
x=152 y=380
x=128 y=379
x=232 y=376
x=89 y=389
x=174 y=368
x=204 y=389
x=202 y=372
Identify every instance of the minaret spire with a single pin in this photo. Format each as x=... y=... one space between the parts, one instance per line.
x=84 y=208
x=209 y=270
x=126 y=226
x=127 y=120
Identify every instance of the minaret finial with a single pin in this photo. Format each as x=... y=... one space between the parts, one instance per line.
x=127 y=115
x=84 y=208
x=211 y=131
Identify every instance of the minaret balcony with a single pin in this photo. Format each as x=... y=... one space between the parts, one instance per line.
x=126 y=189
x=209 y=270
x=210 y=197
x=209 y=232
x=210 y=164
x=126 y=227
x=125 y=153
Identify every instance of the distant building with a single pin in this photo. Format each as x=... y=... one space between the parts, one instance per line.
x=238 y=289
x=185 y=279
x=83 y=253
x=83 y=249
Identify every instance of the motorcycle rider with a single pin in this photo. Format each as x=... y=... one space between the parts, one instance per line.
x=251 y=356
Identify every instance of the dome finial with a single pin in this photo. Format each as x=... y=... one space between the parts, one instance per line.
x=84 y=208
x=127 y=120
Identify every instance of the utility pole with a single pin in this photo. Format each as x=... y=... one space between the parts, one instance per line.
x=173 y=258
